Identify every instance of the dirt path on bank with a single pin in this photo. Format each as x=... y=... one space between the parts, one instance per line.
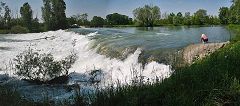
x=195 y=52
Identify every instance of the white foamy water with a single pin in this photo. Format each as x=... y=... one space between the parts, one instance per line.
x=61 y=44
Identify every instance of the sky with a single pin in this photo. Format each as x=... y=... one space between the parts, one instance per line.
x=104 y=7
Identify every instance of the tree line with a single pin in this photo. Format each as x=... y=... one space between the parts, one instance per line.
x=54 y=18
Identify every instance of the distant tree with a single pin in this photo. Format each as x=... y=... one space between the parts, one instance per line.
x=147 y=15
x=200 y=17
x=97 y=21
x=214 y=20
x=178 y=19
x=4 y=16
x=71 y=20
x=2 y=6
x=26 y=15
x=47 y=14
x=187 y=18
x=58 y=14
x=53 y=13
x=7 y=17
x=235 y=12
x=224 y=15
x=170 y=18
x=35 y=25
x=83 y=19
x=117 y=19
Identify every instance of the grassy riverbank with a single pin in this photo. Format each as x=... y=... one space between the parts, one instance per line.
x=211 y=81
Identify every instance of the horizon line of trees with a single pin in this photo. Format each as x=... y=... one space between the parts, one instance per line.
x=54 y=17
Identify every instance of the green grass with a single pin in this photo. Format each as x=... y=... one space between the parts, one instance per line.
x=211 y=81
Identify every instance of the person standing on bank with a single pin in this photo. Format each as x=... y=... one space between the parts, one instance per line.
x=204 y=38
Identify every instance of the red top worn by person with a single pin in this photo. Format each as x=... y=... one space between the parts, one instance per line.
x=204 y=38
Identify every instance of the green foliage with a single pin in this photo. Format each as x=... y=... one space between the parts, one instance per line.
x=58 y=14
x=26 y=13
x=47 y=14
x=147 y=15
x=187 y=19
x=224 y=14
x=235 y=12
x=19 y=29
x=53 y=13
x=118 y=19
x=42 y=67
x=80 y=19
x=200 y=17
x=7 y=17
x=7 y=22
x=97 y=21
x=235 y=30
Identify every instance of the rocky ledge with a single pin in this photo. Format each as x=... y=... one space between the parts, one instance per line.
x=195 y=52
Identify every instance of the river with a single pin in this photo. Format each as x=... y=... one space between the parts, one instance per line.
x=117 y=53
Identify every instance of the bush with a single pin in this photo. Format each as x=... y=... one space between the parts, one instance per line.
x=19 y=29
x=42 y=67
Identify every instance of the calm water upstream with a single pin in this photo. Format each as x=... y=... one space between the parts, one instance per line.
x=156 y=42
x=155 y=38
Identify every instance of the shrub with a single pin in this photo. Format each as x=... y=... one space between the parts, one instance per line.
x=42 y=67
x=19 y=29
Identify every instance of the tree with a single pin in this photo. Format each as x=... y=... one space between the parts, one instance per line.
x=53 y=13
x=35 y=25
x=224 y=15
x=2 y=7
x=147 y=15
x=26 y=15
x=97 y=21
x=170 y=18
x=117 y=19
x=59 y=16
x=214 y=20
x=47 y=15
x=200 y=17
x=235 y=12
x=177 y=20
x=83 y=19
x=7 y=17
x=187 y=18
